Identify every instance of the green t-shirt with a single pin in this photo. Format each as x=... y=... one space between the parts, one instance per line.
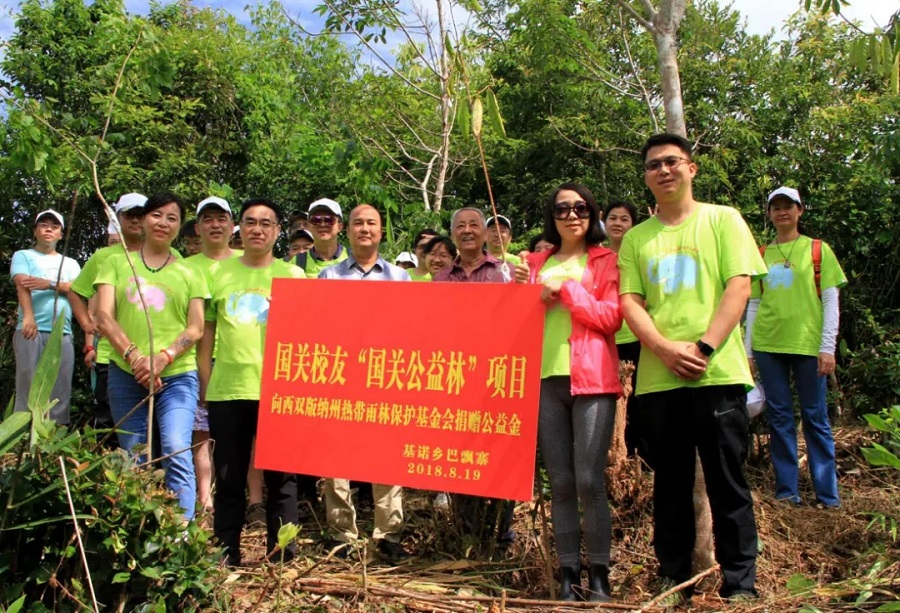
x=789 y=318
x=239 y=305
x=681 y=272
x=313 y=266
x=84 y=287
x=557 y=320
x=208 y=265
x=417 y=277
x=167 y=294
x=625 y=335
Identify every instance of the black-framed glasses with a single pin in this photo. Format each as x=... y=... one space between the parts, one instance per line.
x=322 y=220
x=670 y=162
x=265 y=224
x=562 y=210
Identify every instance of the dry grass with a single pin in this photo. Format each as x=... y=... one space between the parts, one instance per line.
x=832 y=547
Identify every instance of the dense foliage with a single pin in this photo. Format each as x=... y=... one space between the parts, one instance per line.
x=210 y=105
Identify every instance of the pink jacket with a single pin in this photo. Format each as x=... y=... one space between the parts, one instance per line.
x=596 y=317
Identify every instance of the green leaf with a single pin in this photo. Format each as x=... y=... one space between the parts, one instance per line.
x=888 y=607
x=463 y=119
x=493 y=110
x=10 y=406
x=16 y=606
x=12 y=429
x=121 y=578
x=45 y=375
x=286 y=534
x=877 y=455
x=799 y=584
x=877 y=422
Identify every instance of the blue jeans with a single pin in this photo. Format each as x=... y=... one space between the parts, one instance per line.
x=774 y=374
x=174 y=410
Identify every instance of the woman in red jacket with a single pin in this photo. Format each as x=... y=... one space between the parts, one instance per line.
x=579 y=381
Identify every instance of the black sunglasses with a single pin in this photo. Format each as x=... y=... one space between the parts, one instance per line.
x=561 y=210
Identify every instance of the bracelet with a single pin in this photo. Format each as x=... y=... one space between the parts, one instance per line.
x=87 y=349
x=128 y=351
x=170 y=355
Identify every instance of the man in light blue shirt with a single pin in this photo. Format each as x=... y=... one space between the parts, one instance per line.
x=364 y=262
x=42 y=278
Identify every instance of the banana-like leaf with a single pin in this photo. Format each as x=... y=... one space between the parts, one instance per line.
x=463 y=119
x=493 y=109
x=12 y=429
x=39 y=401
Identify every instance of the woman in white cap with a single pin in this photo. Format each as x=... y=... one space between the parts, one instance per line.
x=173 y=293
x=792 y=324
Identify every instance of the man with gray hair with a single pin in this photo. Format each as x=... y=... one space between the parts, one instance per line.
x=468 y=229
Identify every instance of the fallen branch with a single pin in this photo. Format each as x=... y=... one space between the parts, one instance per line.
x=693 y=580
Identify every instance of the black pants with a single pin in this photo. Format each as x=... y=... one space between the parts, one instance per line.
x=635 y=439
x=232 y=425
x=102 y=414
x=485 y=518
x=713 y=421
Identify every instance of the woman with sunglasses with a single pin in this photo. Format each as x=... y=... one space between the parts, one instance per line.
x=173 y=292
x=579 y=381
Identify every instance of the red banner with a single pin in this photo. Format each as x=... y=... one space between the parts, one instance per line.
x=426 y=385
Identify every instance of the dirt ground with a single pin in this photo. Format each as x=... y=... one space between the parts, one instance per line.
x=810 y=559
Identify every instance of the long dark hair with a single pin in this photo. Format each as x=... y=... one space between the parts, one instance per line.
x=595 y=234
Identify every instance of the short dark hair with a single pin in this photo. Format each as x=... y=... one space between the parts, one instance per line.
x=621 y=204
x=595 y=234
x=667 y=138
x=298 y=215
x=446 y=241
x=188 y=230
x=422 y=234
x=246 y=204
x=161 y=199
x=532 y=244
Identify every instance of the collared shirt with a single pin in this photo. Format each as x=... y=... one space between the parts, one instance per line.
x=381 y=270
x=312 y=264
x=490 y=270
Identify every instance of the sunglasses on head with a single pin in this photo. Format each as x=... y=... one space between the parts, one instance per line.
x=322 y=220
x=562 y=210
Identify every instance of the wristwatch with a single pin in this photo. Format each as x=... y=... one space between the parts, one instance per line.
x=705 y=348
x=52 y=283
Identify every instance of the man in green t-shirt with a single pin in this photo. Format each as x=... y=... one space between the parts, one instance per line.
x=129 y=213
x=236 y=315
x=325 y=222
x=214 y=227
x=685 y=281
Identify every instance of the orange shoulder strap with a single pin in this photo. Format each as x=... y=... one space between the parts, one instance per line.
x=817 y=264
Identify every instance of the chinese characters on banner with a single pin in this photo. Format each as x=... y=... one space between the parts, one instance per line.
x=426 y=385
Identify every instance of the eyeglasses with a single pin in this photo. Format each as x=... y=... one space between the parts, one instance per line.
x=264 y=224
x=670 y=162
x=323 y=220
x=562 y=210
x=48 y=224
x=440 y=255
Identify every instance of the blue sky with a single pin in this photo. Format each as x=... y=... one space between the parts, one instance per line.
x=761 y=15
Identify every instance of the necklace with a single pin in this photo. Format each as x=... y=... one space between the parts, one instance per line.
x=787 y=259
x=168 y=257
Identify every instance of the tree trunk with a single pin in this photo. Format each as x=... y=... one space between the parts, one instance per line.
x=446 y=124
x=667 y=48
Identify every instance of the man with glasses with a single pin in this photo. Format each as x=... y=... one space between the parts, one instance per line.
x=365 y=263
x=236 y=315
x=685 y=281
x=325 y=222
x=420 y=272
x=43 y=278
